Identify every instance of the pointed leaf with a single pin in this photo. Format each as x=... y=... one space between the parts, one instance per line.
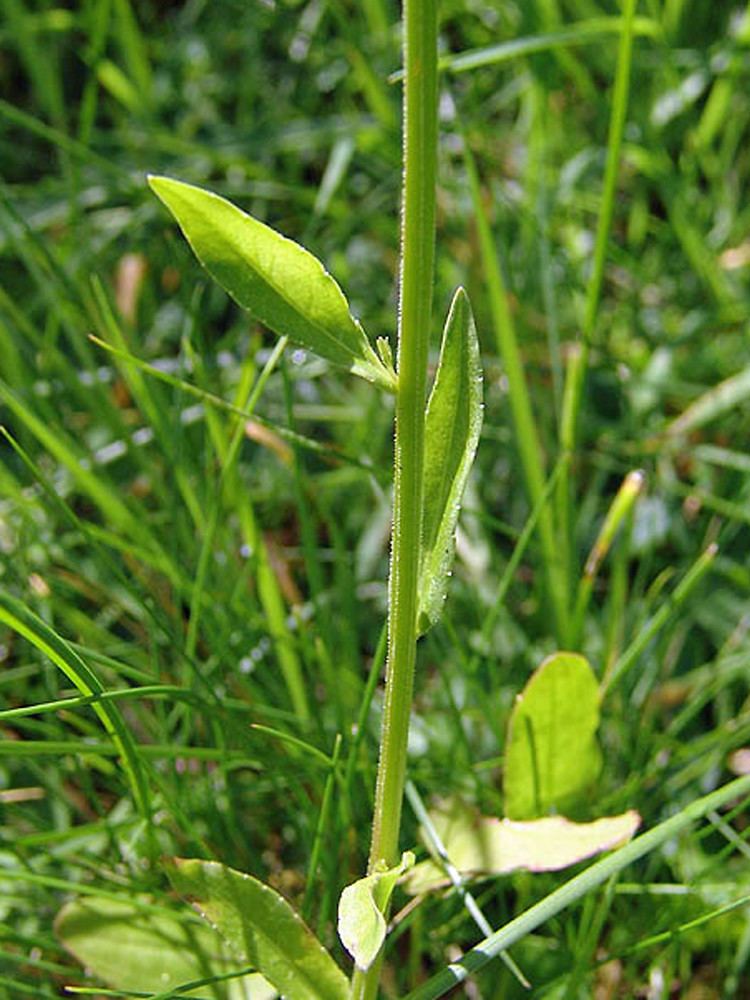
x=479 y=845
x=279 y=282
x=262 y=929
x=552 y=757
x=129 y=947
x=452 y=426
x=362 y=926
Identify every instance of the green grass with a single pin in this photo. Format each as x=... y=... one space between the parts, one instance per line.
x=207 y=604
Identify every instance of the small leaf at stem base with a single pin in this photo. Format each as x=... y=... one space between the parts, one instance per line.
x=362 y=925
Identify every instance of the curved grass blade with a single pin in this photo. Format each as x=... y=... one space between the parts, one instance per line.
x=23 y=621
x=585 y=32
x=713 y=403
x=452 y=425
x=279 y=282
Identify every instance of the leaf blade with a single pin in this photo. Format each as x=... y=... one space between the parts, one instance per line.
x=130 y=947
x=279 y=282
x=452 y=426
x=361 y=921
x=552 y=755
x=482 y=845
x=261 y=928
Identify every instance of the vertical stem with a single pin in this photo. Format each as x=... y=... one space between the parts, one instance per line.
x=417 y=259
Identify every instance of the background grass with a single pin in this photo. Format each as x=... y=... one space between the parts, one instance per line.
x=227 y=581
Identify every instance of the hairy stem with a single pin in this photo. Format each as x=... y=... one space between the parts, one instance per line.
x=417 y=259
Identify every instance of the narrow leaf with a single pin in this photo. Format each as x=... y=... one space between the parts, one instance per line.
x=480 y=845
x=452 y=426
x=362 y=925
x=552 y=756
x=715 y=402
x=261 y=929
x=279 y=282
x=129 y=947
x=25 y=622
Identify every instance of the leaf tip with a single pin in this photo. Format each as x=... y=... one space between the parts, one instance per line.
x=155 y=181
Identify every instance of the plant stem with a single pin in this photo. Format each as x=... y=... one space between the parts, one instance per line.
x=417 y=258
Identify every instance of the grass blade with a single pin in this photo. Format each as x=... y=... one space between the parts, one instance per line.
x=574 y=889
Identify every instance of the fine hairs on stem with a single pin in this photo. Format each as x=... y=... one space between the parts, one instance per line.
x=416 y=274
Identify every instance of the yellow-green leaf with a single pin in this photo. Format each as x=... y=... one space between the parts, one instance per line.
x=552 y=757
x=482 y=846
x=279 y=282
x=132 y=947
x=261 y=929
x=362 y=925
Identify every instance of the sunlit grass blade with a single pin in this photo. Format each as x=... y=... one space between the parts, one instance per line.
x=712 y=404
x=221 y=404
x=437 y=849
x=619 y=510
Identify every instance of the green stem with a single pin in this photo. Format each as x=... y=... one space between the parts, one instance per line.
x=417 y=258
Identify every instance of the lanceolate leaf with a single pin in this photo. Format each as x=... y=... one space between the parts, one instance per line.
x=261 y=929
x=276 y=280
x=362 y=924
x=131 y=947
x=481 y=845
x=552 y=757
x=452 y=425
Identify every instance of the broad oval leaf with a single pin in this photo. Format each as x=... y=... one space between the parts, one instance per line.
x=552 y=757
x=279 y=282
x=261 y=928
x=133 y=948
x=452 y=425
x=481 y=845
x=361 y=924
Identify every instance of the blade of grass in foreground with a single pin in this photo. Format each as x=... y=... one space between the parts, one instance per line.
x=574 y=889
